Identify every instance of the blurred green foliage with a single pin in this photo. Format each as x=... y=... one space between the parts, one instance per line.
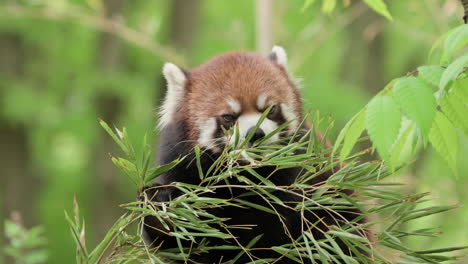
x=25 y=246
x=62 y=68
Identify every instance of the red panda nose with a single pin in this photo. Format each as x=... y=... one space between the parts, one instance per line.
x=258 y=134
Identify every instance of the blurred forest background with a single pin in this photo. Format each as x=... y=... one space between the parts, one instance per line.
x=66 y=63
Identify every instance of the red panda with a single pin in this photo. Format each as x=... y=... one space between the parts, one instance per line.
x=232 y=89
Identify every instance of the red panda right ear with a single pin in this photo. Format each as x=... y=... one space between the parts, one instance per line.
x=175 y=78
x=278 y=55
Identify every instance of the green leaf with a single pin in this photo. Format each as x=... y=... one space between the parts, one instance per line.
x=380 y=7
x=99 y=251
x=403 y=142
x=453 y=70
x=455 y=105
x=307 y=4
x=439 y=40
x=256 y=206
x=344 y=131
x=417 y=102
x=352 y=135
x=199 y=166
x=462 y=92
x=114 y=136
x=431 y=74
x=455 y=40
x=444 y=139
x=249 y=245
x=129 y=168
x=155 y=172
x=383 y=123
x=328 y=6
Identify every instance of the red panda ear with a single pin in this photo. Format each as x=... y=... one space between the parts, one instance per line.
x=175 y=78
x=278 y=55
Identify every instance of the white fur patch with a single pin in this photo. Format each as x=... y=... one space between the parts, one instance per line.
x=206 y=138
x=235 y=105
x=245 y=122
x=290 y=115
x=281 y=57
x=175 y=92
x=261 y=102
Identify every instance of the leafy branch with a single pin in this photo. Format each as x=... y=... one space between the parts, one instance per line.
x=427 y=105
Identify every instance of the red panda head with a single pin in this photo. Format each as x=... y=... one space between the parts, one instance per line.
x=232 y=89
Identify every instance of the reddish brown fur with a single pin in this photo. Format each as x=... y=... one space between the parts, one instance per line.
x=242 y=76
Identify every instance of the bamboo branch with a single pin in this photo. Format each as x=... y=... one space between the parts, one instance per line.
x=77 y=15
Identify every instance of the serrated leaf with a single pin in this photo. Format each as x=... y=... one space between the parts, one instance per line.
x=463 y=91
x=380 y=7
x=403 y=141
x=453 y=70
x=353 y=134
x=455 y=40
x=344 y=131
x=444 y=139
x=417 y=102
x=439 y=41
x=383 y=123
x=431 y=74
x=455 y=106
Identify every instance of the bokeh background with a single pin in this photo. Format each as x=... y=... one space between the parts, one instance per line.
x=64 y=64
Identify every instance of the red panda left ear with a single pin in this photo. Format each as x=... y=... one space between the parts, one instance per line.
x=278 y=55
x=176 y=78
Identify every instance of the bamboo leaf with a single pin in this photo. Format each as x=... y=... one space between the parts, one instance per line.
x=440 y=250
x=155 y=172
x=114 y=136
x=129 y=169
x=249 y=245
x=256 y=206
x=199 y=166
x=383 y=123
x=417 y=102
x=380 y=7
x=444 y=139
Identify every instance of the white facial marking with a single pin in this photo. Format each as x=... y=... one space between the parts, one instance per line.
x=281 y=57
x=245 y=122
x=175 y=92
x=289 y=115
x=235 y=105
x=206 y=138
x=261 y=102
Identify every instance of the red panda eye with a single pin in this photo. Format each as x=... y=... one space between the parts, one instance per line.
x=272 y=111
x=228 y=118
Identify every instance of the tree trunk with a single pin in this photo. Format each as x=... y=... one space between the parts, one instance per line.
x=263 y=22
x=19 y=183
